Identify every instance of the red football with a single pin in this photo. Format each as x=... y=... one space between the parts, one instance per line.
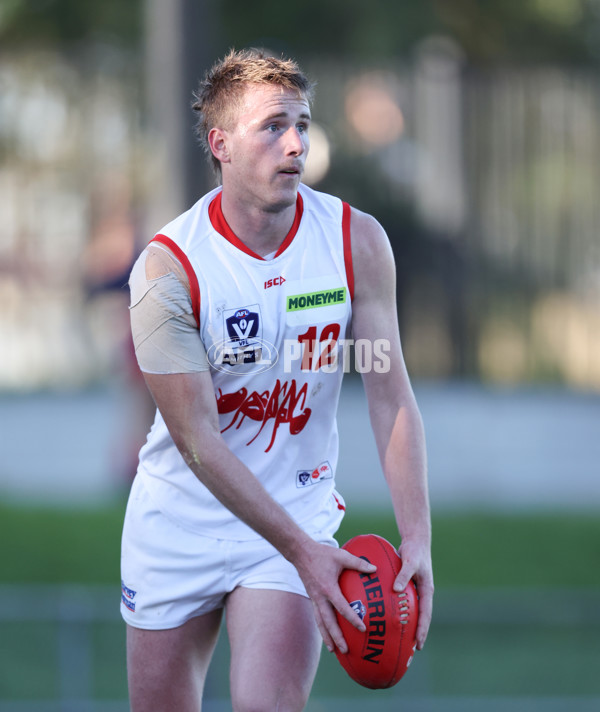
x=380 y=656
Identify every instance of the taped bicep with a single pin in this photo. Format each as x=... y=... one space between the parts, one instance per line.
x=163 y=326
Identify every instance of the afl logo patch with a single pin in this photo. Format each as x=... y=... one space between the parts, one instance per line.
x=242 y=349
x=243 y=326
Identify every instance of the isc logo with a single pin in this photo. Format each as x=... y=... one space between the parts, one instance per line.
x=275 y=282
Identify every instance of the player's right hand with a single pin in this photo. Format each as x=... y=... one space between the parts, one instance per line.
x=319 y=568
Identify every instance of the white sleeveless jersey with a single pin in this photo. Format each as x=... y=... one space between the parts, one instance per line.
x=272 y=331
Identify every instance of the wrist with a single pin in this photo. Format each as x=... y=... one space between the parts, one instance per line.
x=420 y=537
x=297 y=550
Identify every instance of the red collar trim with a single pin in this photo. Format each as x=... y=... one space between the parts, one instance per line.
x=217 y=219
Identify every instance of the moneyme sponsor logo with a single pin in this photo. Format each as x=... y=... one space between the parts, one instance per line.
x=311 y=300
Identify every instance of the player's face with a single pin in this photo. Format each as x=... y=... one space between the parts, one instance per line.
x=268 y=145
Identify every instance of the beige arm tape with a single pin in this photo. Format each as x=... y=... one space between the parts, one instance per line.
x=165 y=334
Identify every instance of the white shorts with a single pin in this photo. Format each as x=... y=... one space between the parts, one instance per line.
x=170 y=574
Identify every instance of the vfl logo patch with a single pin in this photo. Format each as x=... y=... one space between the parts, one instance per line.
x=127 y=596
x=242 y=326
x=312 y=300
x=359 y=608
x=305 y=478
x=242 y=345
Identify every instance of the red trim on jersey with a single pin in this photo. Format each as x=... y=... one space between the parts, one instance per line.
x=339 y=504
x=346 y=215
x=295 y=225
x=189 y=270
x=217 y=219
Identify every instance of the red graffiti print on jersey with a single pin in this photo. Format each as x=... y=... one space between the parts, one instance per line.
x=283 y=404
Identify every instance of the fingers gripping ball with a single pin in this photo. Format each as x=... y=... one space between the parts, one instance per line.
x=380 y=656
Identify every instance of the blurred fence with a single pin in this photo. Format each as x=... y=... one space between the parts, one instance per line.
x=499 y=649
x=489 y=449
x=486 y=181
x=487 y=184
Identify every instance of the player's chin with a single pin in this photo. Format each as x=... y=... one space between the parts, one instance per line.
x=285 y=193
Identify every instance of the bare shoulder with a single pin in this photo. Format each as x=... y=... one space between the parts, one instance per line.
x=372 y=256
x=367 y=233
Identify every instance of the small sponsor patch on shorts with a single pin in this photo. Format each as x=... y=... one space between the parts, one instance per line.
x=304 y=478
x=127 y=596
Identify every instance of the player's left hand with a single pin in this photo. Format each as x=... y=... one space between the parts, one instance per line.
x=416 y=565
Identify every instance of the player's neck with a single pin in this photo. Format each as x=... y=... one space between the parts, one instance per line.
x=259 y=228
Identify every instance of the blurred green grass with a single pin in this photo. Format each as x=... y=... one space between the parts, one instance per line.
x=478 y=549
x=480 y=560
x=490 y=549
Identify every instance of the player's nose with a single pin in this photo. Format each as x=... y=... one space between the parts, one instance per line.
x=294 y=142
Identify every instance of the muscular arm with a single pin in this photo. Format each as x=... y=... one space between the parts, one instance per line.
x=187 y=404
x=393 y=411
x=176 y=370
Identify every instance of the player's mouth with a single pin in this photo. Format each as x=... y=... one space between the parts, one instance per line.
x=290 y=171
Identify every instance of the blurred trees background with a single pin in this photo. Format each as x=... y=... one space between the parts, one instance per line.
x=489 y=31
x=470 y=128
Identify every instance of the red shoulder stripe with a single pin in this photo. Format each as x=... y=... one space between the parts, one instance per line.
x=346 y=215
x=189 y=270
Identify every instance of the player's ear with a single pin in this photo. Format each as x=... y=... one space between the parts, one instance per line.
x=217 y=140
